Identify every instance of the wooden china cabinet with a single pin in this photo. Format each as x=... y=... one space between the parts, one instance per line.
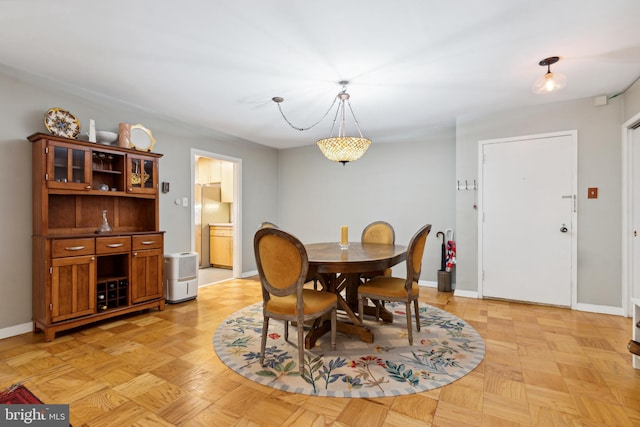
x=81 y=276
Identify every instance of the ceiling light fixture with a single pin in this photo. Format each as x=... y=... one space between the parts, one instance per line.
x=550 y=82
x=340 y=148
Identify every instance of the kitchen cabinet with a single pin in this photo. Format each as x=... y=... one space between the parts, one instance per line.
x=79 y=276
x=226 y=182
x=147 y=263
x=221 y=246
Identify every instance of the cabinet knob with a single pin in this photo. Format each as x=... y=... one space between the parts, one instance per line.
x=88 y=187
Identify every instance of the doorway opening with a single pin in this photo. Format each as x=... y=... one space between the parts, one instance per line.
x=630 y=213
x=215 y=216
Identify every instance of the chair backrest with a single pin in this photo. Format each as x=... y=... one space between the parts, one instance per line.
x=282 y=262
x=378 y=232
x=267 y=224
x=414 y=254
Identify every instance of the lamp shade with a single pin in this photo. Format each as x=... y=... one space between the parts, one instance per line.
x=343 y=149
x=548 y=83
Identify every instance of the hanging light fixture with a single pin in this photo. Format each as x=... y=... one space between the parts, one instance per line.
x=340 y=148
x=550 y=82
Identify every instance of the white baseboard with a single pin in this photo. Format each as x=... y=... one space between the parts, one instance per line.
x=601 y=309
x=465 y=294
x=248 y=274
x=428 y=283
x=12 y=331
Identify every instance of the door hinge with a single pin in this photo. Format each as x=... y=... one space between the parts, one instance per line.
x=50 y=307
x=46 y=150
x=50 y=270
x=46 y=177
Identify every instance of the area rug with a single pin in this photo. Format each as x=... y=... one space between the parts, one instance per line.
x=445 y=349
x=18 y=394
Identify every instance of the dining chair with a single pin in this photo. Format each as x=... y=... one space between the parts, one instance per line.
x=267 y=224
x=312 y=277
x=378 y=232
x=386 y=288
x=282 y=267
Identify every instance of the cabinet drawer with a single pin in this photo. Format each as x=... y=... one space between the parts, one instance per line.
x=111 y=245
x=61 y=248
x=220 y=232
x=148 y=241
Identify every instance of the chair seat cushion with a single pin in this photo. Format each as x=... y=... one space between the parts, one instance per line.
x=313 y=302
x=392 y=287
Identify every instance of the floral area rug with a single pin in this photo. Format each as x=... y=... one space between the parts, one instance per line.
x=445 y=349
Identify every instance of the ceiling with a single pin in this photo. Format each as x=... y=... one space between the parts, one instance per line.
x=413 y=65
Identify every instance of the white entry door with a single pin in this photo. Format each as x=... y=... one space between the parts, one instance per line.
x=527 y=218
x=634 y=140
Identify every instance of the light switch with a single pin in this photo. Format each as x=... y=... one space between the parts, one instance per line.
x=185 y=201
x=592 y=193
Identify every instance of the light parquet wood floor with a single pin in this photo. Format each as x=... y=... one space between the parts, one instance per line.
x=544 y=366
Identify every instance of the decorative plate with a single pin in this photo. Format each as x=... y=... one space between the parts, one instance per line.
x=60 y=122
x=141 y=138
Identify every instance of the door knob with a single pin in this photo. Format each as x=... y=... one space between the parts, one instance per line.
x=564 y=228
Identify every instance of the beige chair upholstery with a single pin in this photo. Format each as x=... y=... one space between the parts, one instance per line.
x=282 y=266
x=378 y=232
x=385 y=288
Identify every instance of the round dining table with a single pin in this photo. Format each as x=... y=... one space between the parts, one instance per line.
x=339 y=271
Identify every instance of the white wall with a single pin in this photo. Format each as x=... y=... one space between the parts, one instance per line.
x=405 y=184
x=22 y=107
x=599 y=165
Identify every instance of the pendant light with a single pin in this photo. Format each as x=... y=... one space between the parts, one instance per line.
x=339 y=148
x=550 y=82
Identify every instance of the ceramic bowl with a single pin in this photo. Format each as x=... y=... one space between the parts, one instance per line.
x=106 y=137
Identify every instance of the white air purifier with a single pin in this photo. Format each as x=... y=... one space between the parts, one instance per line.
x=180 y=276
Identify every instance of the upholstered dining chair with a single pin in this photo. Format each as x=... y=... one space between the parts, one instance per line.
x=386 y=288
x=378 y=232
x=267 y=224
x=282 y=266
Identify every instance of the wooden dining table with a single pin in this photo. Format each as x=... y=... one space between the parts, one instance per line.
x=339 y=271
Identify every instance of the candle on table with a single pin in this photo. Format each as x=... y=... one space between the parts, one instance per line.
x=344 y=235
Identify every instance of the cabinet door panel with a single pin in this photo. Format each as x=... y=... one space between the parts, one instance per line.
x=68 y=166
x=142 y=174
x=146 y=275
x=72 y=287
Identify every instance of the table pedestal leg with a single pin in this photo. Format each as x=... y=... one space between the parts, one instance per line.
x=316 y=332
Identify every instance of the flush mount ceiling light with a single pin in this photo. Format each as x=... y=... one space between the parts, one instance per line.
x=340 y=148
x=550 y=82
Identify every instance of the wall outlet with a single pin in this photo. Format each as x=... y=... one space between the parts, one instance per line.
x=185 y=201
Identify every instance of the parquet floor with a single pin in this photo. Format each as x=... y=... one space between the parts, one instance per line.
x=543 y=367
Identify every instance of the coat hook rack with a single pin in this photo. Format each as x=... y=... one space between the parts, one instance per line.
x=467 y=185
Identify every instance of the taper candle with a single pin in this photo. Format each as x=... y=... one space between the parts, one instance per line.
x=344 y=235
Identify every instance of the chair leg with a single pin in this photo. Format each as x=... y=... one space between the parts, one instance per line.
x=263 y=343
x=409 y=328
x=361 y=308
x=300 y=326
x=417 y=308
x=334 y=321
x=286 y=330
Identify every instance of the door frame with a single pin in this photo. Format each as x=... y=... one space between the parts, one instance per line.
x=236 y=208
x=628 y=129
x=574 y=214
